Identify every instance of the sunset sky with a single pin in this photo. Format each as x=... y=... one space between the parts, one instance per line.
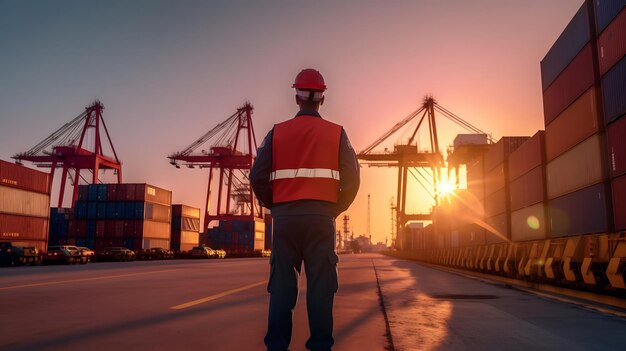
x=168 y=71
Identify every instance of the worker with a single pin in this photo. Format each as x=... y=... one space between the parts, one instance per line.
x=307 y=173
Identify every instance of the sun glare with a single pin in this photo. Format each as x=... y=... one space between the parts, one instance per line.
x=445 y=188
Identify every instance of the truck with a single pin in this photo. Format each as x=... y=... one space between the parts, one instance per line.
x=14 y=255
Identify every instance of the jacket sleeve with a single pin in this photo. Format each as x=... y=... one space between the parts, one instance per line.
x=260 y=172
x=349 y=174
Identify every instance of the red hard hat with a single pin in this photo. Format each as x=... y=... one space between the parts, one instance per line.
x=309 y=79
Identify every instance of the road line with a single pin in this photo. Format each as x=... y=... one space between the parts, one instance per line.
x=82 y=280
x=216 y=296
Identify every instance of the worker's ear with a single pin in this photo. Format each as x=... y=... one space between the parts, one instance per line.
x=322 y=101
x=297 y=100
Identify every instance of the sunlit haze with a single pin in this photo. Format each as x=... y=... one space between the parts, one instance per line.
x=168 y=71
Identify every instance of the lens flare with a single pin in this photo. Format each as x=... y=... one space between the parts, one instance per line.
x=445 y=188
x=533 y=222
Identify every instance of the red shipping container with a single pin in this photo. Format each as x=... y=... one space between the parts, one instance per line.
x=528 y=189
x=120 y=190
x=100 y=228
x=81 y=228
x=495 y=203
x=618 y=186
x=16 y=228
x=571 y=83
x=138 y=229
x=130 y=192
x=577 y=123
x=71 y=227
x=616 y=139
x=21 y=177
x=528 y=156
x=111 y=192
x=501 y=150
x=109 y=228
x=612 y=43
x=495 y=180
x=119 y=229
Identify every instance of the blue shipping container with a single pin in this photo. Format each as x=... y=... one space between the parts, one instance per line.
x=139 y=210
x=120 y=210
x=614 y=92
x=93 y=192
x=566 y=47
x=129 y=211
x=102 y=192
x=91 y=228
x=111 y=207
x=102 y=210
x=580 y=212
x=81 y=210
x=606 y=10
x=92 y=210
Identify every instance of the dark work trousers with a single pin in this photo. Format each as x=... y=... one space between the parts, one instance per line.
x=308 y=238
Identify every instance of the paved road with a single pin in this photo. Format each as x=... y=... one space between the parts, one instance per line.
x=221 y=305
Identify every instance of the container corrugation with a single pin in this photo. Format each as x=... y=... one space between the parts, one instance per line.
x=570 y=42
x=157 y=212
x=184 y=239
x=577 y=123
x=472 y=234
x=16 y=228
x=22 y=202
x=497 y=231
x=614 y=92
x=529 y=223
x=577 y=168
x=616 y=139
x=495 y=179
x=495 y=203
x=618 y=187
x=606 y=10
x=21 y=177
x=527 y=190
x=151 y=193
x=612 y=43
x=501 y=150
x=157 y=230
x=184 y=223
x=179 y=210
x=111 y=192
x=574 y=81
x=476 y=178
x=150 y=243
x=528 y=156
x=581 y=212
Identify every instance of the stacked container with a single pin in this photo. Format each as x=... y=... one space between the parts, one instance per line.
x=611 y=29
x=136 y=216
x=185 y=227
x=60 y=219
x=528 y=190
x=238 y=237
x=24 y=205
x=497 y=189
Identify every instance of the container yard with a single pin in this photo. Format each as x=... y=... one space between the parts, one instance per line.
x=526 y=230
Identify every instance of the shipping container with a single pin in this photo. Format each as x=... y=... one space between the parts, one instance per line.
x=495 y=203
x=157 y=230
x=111 y=192
x=179 y=210
x=18 y=228
x=155 y=242
x=528 y=156
x=17 y=176
x=529 y=223
x=187 y=224
x=580 y=212
x=528 y=189
x=614 y=92
x=150 y=193
x=497 y=229
x=473 y=234
x=476 y=178
x=470 y=139
x=184 y=240
x=616 y=139
x=618 y=186
x=576 y=79
x=157 y=212
x=577 y=123
x=567 y=46
x=21 y=202
x=575 y=169
x=612 y=43
x=500 y=151
x=606 y=10
x=495 y=179
x=102 y=192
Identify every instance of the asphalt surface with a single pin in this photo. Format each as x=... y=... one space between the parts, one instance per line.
x=222 y=305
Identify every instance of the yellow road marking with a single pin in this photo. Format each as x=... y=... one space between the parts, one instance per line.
x=82 y=279
x=216 y=296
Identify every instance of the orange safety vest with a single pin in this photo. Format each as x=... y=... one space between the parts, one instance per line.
x=305 y=160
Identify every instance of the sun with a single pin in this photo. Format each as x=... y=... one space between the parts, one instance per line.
x=445 y=188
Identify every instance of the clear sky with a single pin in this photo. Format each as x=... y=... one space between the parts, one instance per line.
x=168 y=71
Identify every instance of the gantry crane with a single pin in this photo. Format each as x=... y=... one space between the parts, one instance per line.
x=229 y=157
x=407 y=156
x=76 y=146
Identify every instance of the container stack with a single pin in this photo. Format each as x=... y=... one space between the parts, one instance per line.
x=135 y=216
x=238 y=237
x=583 y=74
x=185 y=227
x=24 y=205
x=497 y=189
x=528 y=190
x=60 y=219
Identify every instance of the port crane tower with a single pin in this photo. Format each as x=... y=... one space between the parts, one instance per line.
x=410 y=160
x=75 y=147
x=229 y=156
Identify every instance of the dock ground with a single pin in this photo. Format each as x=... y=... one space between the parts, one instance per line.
x=222 y=305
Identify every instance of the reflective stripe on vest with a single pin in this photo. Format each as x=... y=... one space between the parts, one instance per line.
x=305 y=173
x=305 y=160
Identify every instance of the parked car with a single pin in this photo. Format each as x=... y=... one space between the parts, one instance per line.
x=202 y=252
x=219 y=253
x=115 y=254
x=87 y=252
x=16 y=255
x=65 y=254
x=159 y=253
